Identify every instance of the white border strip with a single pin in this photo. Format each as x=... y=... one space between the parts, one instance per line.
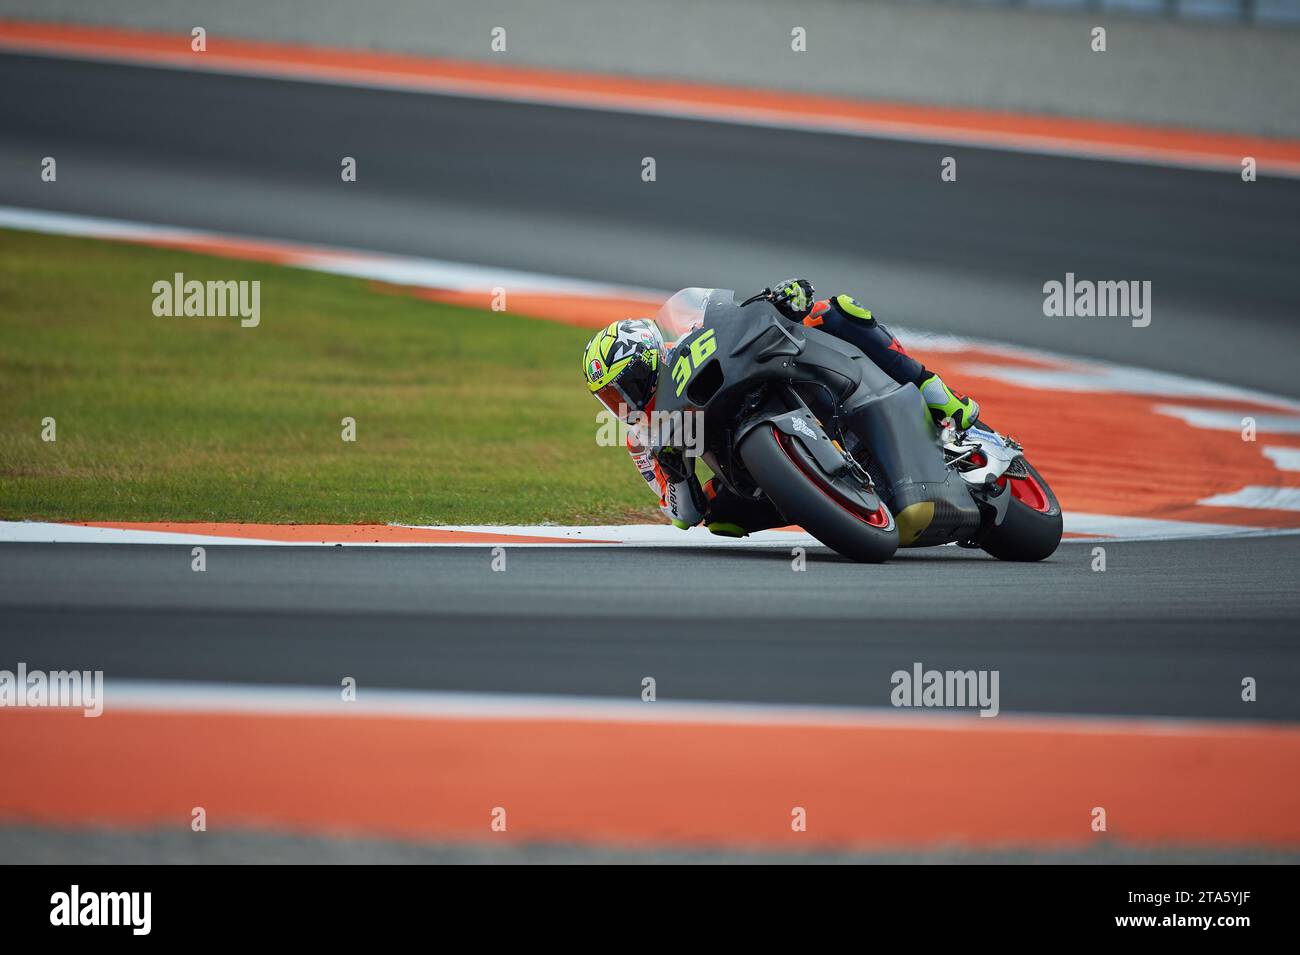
x=1095 y=527
x=356 y=263
x=641 y=535
x=283 y=700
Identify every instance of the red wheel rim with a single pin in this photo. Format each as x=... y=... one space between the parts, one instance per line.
x=1029 y=492
x=878 y=518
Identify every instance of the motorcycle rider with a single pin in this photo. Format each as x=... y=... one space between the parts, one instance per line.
x=621 y=366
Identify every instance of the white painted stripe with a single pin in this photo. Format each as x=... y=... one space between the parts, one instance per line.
x=1215 y=419
x=1097 y=526
x=397 y=269
x=1257 y=496
x=1077 y=375
x=1285 y=459
x=40 y=532
x=1112 y=526
x=648 y=535
x=1124 y=528
x=281 y=700
x=642 y=535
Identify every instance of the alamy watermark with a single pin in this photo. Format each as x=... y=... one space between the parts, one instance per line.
x=946 y=688
x=211 y=299
x=1084 y=298
x=72 y=689
x=682 y=430
x=129 y=909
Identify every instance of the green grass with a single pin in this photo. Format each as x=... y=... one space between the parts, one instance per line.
x=462 y=416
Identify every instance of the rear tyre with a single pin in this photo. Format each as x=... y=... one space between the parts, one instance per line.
x=1032 y=528
x=867 y=538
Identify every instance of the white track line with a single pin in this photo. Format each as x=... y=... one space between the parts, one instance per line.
x=1121 y=528
x=356 y=263
x=1081 y=375
x=281 y=700
x=1258 y=496
x=1216 y=419
x=1094 y=527
x=1284 y=459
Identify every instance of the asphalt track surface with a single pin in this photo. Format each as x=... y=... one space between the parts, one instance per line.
x=559 y=190
x=1168 y=629
x=1160 y=632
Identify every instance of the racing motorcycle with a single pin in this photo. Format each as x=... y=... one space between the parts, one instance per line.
x=807 y=420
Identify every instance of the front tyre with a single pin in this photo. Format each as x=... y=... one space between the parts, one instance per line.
x=807 y=501
x=1031 y=529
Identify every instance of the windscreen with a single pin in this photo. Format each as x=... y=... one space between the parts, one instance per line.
x=684 y=311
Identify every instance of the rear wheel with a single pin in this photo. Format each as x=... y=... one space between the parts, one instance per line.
x=805 y=497
x=1032 y=527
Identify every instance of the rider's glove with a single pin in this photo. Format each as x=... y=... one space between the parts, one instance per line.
x=793 y=298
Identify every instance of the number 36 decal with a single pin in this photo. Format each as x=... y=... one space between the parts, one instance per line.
x=701 y=349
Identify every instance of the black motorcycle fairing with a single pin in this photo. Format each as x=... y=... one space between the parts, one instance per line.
x=758 y=363
x=752 y=346
x=749 y=349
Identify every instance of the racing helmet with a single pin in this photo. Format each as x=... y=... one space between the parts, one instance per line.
x=621 y=365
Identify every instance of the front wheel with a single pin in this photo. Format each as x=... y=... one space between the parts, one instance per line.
x=1031 y=529
x=799 y=492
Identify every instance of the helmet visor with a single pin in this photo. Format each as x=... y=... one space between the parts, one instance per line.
x=612 y=397
x=631 y=389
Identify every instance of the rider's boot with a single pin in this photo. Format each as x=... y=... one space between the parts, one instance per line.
x=731 y=516
x=945 y=403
